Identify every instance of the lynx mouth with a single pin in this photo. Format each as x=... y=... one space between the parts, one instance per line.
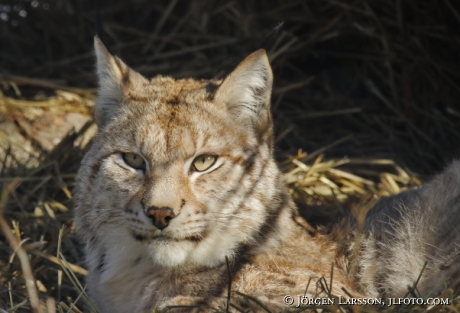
x=164 y=238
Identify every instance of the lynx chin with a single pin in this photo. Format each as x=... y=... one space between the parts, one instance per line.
x=181 y=177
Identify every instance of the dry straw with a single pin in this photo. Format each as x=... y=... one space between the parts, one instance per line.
x=366 y=94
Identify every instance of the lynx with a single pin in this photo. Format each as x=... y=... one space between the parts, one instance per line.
x=179 y=201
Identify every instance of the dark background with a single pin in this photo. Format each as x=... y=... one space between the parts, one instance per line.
x=384 y=72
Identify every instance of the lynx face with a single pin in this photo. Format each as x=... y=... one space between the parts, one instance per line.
x=179 y=168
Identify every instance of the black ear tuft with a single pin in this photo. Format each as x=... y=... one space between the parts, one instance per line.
x=269 y=38
x=100 y=32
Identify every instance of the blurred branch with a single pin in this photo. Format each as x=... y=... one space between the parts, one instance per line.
x=25 y=263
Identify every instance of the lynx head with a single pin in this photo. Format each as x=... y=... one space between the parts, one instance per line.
x=181 y=171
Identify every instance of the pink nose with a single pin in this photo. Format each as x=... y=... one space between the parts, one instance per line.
x=160 y=216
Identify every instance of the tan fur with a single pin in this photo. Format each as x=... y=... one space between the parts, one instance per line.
x=238 y=210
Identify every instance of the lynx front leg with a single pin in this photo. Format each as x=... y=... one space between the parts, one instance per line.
x=184 y=304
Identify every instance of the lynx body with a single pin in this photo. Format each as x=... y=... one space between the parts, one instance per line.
x=180 y=193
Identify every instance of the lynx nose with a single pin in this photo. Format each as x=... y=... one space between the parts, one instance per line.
x=160 y=216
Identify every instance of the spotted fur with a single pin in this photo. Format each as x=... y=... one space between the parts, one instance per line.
x=233 y=221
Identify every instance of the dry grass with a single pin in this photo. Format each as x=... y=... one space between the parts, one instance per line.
x=369 y=89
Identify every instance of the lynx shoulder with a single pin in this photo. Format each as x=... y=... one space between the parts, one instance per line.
x=180 y=194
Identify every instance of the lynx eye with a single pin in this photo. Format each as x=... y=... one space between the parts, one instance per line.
x=134 y=160
x=203 y=162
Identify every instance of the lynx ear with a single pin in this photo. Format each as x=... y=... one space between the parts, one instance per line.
x=246 y=91
x=114 y=78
